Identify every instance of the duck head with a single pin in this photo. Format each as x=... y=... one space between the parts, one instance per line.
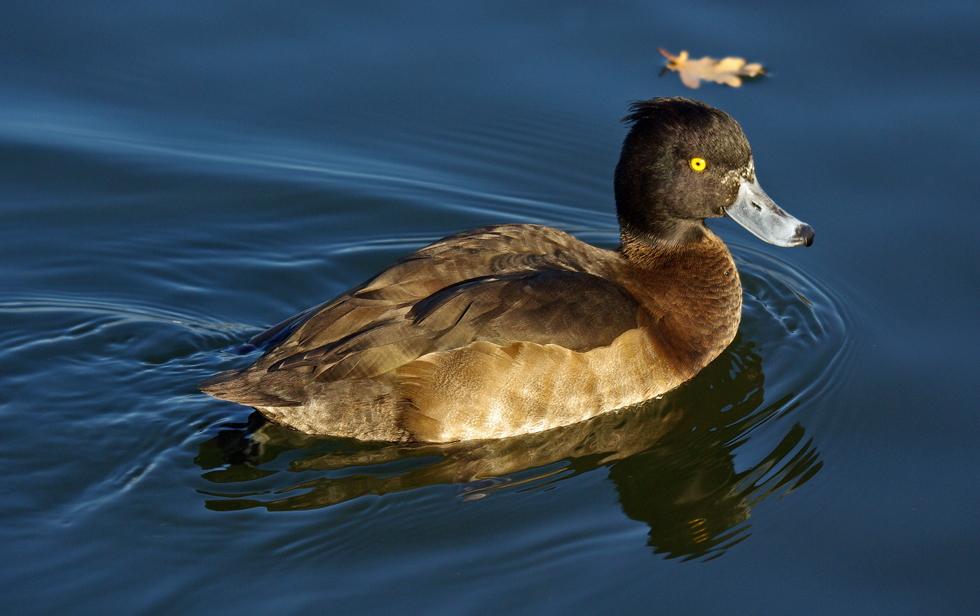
x=684 y=161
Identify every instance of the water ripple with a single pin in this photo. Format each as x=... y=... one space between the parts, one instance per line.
x=690 y=465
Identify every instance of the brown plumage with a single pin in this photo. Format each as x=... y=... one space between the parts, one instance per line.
x=519 y=328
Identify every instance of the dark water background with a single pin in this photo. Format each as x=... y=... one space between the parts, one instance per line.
x=174 y=177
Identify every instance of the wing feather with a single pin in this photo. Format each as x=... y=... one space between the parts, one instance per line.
x=497 y=284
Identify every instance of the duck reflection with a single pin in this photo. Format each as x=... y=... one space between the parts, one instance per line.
x=671 y=460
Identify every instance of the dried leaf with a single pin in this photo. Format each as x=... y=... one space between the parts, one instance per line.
x=727 y=70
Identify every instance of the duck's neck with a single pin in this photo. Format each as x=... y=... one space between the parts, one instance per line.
x=692 y=290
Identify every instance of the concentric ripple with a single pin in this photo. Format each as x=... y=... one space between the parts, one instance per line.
x=691 y=465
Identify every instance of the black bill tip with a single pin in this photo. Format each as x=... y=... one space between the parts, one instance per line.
x=804 y=235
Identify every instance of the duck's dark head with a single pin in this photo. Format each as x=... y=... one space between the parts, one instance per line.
x=684 y=161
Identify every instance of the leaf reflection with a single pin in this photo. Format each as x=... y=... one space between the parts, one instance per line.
x=671 y=460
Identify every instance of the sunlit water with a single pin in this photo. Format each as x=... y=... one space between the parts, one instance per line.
x=692 y=466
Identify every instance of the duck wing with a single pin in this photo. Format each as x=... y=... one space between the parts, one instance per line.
x=469 y=255
x=575 y=310
x=499 y=284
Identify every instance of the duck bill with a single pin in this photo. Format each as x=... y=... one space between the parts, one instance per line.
x=754 y=210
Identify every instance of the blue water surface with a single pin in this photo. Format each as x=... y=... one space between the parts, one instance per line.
x=177 y=176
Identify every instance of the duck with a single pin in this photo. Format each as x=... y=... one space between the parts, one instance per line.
x=515 y=329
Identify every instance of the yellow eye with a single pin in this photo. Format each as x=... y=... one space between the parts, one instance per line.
x=698 y=164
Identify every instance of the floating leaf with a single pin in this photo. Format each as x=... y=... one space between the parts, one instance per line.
x=727 y=70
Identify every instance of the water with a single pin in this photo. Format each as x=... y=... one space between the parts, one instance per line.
x=176 y=177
